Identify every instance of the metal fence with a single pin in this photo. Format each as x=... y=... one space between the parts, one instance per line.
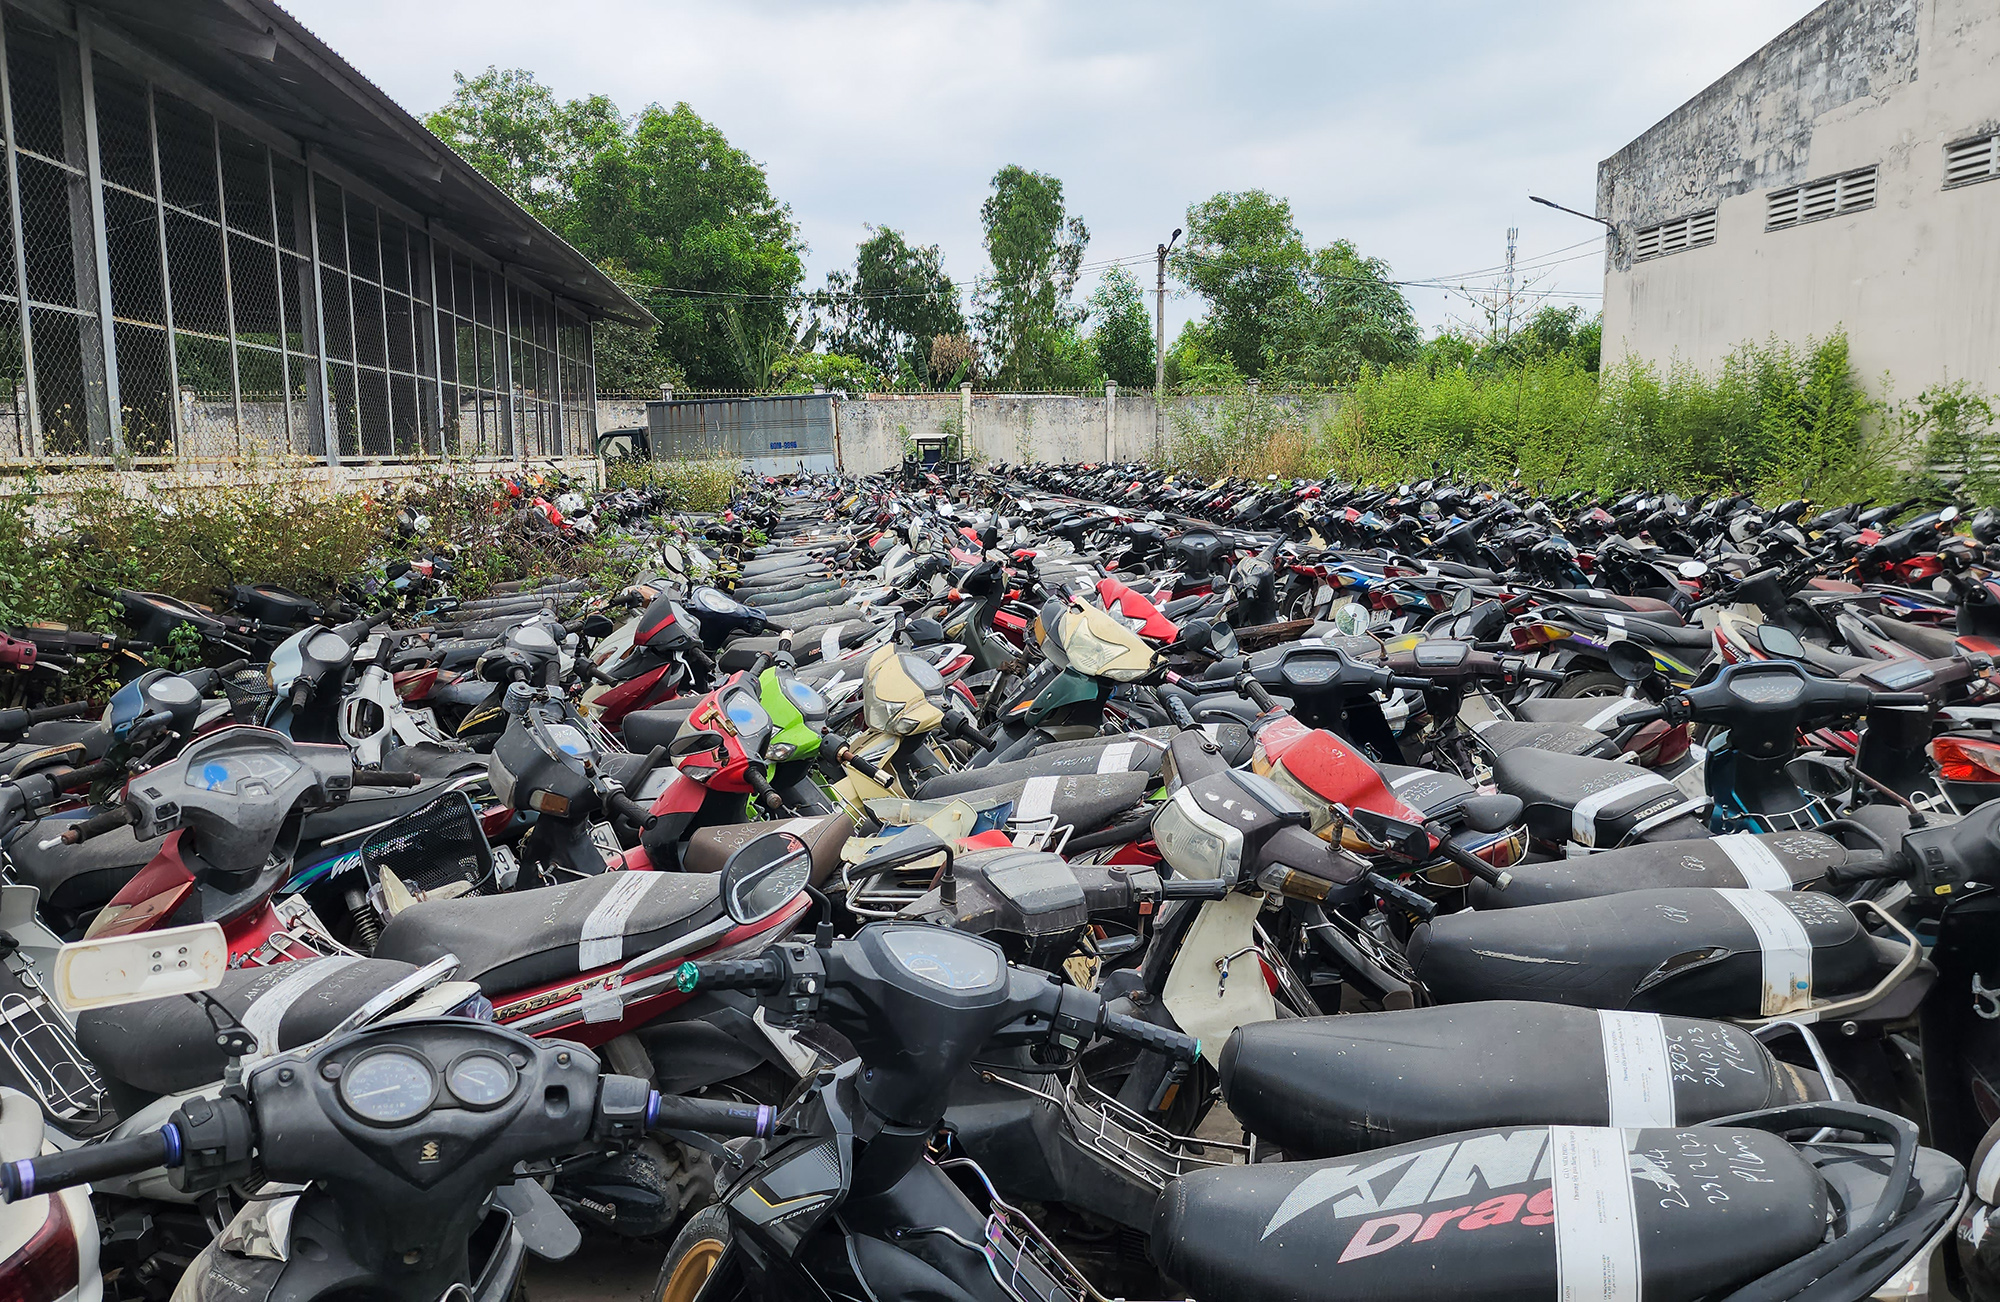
x=775 y=433
x=174 y=289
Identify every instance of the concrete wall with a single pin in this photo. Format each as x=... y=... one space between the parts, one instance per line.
x=1914 y=280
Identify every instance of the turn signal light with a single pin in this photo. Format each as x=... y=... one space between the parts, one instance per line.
x=1965 y=759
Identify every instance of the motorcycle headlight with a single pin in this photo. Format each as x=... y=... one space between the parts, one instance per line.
x=781 y=752
x=1196 y=842
x=904 y=724
x=1089 y=654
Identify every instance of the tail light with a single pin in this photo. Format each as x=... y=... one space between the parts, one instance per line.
x=1966 y=759
x=1529 y=636
x=46 y=1266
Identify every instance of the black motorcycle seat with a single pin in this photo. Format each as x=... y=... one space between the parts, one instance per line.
x=510 y=942
x=1221 y=707
x=1434 y=794
x=370 y=806
x=1086 y=801
x=1061 y=759
x=1475 y=1216
x=1597 y=713
x=645 y=729
x=806 y=648
x=164 y=1046
x=1594 y=802
x=709 y=848
x=1322 y=1086
x=1502 y=735
x=75 y=878
x=1754 y=861
x=1691 y=952
x=1929 y=642
x=1638 y=626
x=1180 y=606
x=433 y=762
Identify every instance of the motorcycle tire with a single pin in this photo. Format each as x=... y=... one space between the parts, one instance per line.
x=697 y=1250
x=1596 y=683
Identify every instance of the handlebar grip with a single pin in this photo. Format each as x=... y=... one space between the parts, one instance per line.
x=1538 y=673
x=54 y=1171
x=627 y=808
x=302 y=691
x=880 y=776
x=1634 y=718
x=1472 y=863
x=86 y=774
x=699 y=658
x=1178 y=708
x=1876 y=699
x=1410 y=684
x=729 y=974
x=385 y=778
x=711 y=1116
x=973 y=733
x=1179 y=1047
x=116 y=816
x=768 y=798
x=1194 y=888
x=74 y=710
x=1254 y=690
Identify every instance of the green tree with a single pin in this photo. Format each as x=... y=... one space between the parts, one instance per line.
x=663 y=195
x=1554 y=332
x=1346 y=317
x=1036 y=251
x=892 y=306
x=1244 y=256
x=1123 y=334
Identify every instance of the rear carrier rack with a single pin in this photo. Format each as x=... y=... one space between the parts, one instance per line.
x=1024 y=1261
x=1143 y=1149
x=41 y=1054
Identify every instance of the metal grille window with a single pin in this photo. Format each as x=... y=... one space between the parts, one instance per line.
x=1966 y=161
x=1687 y=232
x=174 y=286
x=1831 y=196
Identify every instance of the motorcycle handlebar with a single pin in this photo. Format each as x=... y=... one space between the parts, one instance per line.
x=115 y=817
x=767 y=796
x=1497 y=878
x=711 y=1116
x=844 y=752
x=1181 y=1048
x=1194 y=888
x=972 y=732
x=385 y=778
x=1896 y=698
x=627 y=808
x=56 y=1171
x=754 y=974
x=1254 y=690
x=1539 y=674
x=1634 y=718
x=1410 y=684
x=20 y=719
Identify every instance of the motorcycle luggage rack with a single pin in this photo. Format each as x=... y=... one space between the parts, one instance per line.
x=1142 y=1149
x=43 y=1053
x=1024 y=1261
x=885 y=892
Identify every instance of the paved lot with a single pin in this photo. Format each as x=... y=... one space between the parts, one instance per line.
x=603 y=1270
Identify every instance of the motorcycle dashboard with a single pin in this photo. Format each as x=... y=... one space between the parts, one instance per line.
x=1766 y=689
x=1312 y=669
x=944 y=958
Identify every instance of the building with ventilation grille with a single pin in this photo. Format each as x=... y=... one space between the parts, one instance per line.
x=224 y=241
x=1836 y=179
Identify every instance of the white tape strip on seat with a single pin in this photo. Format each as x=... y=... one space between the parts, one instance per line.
x=1038 y=800
x=1760 y=868
x=1597 y=1229
x=1615 y=622
x=1609 y=714
x=1787 y=951
x=1583 y=818
x=829 y=641
x=261 y=1018
x=1117 y=757
x=602 y=940
x=1637 y=1075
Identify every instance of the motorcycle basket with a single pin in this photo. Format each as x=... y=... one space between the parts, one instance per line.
x=433 y=846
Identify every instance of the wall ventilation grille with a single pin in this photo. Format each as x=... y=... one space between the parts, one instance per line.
x=1972 y=160
x=1687 y=232
x=1828 y=197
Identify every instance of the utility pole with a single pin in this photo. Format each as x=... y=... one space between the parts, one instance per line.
x=1507 y=292
x=1160 y=344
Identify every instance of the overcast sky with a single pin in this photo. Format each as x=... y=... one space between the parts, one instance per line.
x=1415 y=128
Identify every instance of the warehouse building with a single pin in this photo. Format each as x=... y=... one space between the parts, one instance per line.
x=1836 y=179
x=222 y=242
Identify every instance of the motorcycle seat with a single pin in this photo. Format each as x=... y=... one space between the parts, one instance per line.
x=1928 y=642
x=1433 y=793
x=1059 y=759
x=1769 y=861
x=529 y=938
x=1595 y=802
x=1691 y=952
x=1321 y=1086
x=708 y=848
x=165 y=1046
x=433 y=762
x=370 y=806
x=74 y=879
x=806 y=647
x=1645 y=607
x=644 y=729
x=1596 y=713
x=1635 y=625
x=1503 y=736
x=1476 y=1215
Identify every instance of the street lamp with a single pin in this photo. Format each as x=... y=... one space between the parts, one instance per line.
x=1160 y=341
x=1589 y=217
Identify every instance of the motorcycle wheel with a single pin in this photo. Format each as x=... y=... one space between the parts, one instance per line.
x=697 y=1250
x=1596 y=683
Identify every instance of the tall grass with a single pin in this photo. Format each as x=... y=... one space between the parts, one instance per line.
x=1775 y=420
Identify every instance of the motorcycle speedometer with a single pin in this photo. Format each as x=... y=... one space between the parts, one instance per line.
x=388 y=1087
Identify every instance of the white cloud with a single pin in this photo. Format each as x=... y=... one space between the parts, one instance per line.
x=1415 y=129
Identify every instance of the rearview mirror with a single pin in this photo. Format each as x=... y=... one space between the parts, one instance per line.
x=1781 y=642
x=1629 y=660
x=1692 y=569
x=116 y=970
x=596 y=626
x=1197 y=636
x=763 y=875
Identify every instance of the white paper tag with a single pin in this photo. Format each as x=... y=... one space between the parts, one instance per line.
x=1637 y=1075
x=1787 y=951
x=1583 y=818
x=1760 y=868
x=1117 y=757
x=1597 y=1230
x=1038 y=799
x=602 y=940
